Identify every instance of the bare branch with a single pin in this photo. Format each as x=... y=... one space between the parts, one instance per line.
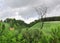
x=41 y=12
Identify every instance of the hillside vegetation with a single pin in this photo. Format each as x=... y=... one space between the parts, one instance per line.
x=15 y=31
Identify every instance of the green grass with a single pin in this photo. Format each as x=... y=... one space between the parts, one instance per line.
x=50 y=33
x=50 y=30
x=46 y=25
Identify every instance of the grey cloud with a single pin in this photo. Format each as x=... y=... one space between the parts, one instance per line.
x=33 y=3
x=30 y=13
x=25 y=8
x=54 y=12
x=20 y=3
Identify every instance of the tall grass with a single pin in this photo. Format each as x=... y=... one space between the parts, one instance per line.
x=50 y=33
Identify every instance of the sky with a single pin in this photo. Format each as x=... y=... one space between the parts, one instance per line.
x=25 y=9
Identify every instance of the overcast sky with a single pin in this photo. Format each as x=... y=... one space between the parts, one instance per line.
x=24 y=9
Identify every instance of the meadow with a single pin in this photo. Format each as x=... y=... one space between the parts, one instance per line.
x=19 y=33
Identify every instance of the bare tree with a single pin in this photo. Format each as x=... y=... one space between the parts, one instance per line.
x=41 y=12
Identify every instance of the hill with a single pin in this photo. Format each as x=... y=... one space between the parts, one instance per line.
x=16 y=31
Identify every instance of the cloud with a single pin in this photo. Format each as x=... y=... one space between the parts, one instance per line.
x=24 y=9
x=54 y=12
x=21 y=3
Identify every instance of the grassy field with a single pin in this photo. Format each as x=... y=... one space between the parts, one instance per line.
x=50 y=33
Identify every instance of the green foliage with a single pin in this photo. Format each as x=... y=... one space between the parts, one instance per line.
x=50 y=33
